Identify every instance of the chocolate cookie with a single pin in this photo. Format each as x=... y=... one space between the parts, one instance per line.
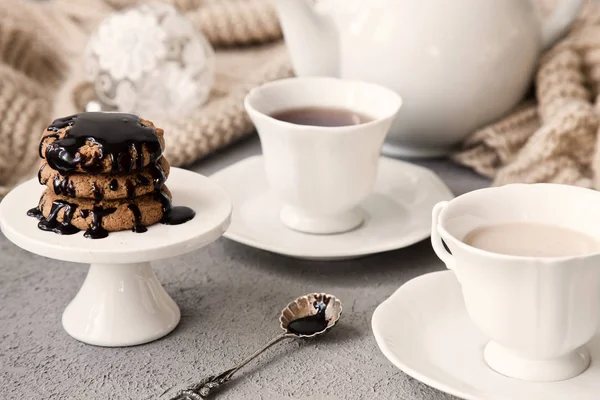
x=64 y=214
x=101 y=143
x=107 y=187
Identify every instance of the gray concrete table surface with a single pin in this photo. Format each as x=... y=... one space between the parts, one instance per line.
x=230 y=297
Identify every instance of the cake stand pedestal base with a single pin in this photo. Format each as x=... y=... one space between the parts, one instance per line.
x=120 y=305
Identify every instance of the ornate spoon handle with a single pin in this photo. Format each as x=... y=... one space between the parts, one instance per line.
x=203 y=389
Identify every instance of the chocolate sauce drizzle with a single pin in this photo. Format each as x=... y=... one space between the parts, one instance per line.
x=96 y=231
x=122 y=139
x=130 y=189
x=40 y=174
x=52 y=224
x=177 y=215
x=35 y=213
x=171 y=215
x=137 y=215
x=142 y=180
x=62 y=185
x=98 y=192
x=311 y=324
x=52 y=135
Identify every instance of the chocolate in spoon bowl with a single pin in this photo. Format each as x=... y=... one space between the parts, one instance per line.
x=308 y=316
x=311 y=315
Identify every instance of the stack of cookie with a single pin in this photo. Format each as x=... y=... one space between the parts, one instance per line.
x=104 y=172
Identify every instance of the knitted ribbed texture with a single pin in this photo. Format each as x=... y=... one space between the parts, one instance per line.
x=29 y=73
x=555 y=140
x=25 y=107
x=237 y=22
x=42 y=42
x=23 y=49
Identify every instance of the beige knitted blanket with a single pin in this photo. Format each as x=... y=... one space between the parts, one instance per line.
x=41 y=73
x=554 y=137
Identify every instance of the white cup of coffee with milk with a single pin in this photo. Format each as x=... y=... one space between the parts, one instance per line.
x=321 y=138
x=528 y=261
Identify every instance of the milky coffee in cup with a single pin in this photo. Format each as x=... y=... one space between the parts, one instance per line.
x=531 y=240
x=528 y=262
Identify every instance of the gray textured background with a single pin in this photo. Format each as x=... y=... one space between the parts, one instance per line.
x=230 y=297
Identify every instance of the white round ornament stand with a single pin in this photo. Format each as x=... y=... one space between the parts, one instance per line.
x=121 y=302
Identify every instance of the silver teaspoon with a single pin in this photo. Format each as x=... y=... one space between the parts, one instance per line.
x=306 y=317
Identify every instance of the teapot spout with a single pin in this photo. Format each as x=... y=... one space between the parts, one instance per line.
x=311 y=38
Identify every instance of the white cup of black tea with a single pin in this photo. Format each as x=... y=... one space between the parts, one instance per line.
x=321 y=138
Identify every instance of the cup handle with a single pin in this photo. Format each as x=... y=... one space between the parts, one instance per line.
x=436 y=239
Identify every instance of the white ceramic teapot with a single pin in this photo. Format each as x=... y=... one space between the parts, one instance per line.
x=457 y=64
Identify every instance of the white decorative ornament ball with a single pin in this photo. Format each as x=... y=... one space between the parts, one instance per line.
x=150 y=61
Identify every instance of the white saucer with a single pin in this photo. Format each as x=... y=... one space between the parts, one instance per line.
x=424 y=330
x=396 y=150
x=121 y=302
x=398 y=213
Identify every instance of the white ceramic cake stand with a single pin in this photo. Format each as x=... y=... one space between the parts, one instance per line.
x=121 y=303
